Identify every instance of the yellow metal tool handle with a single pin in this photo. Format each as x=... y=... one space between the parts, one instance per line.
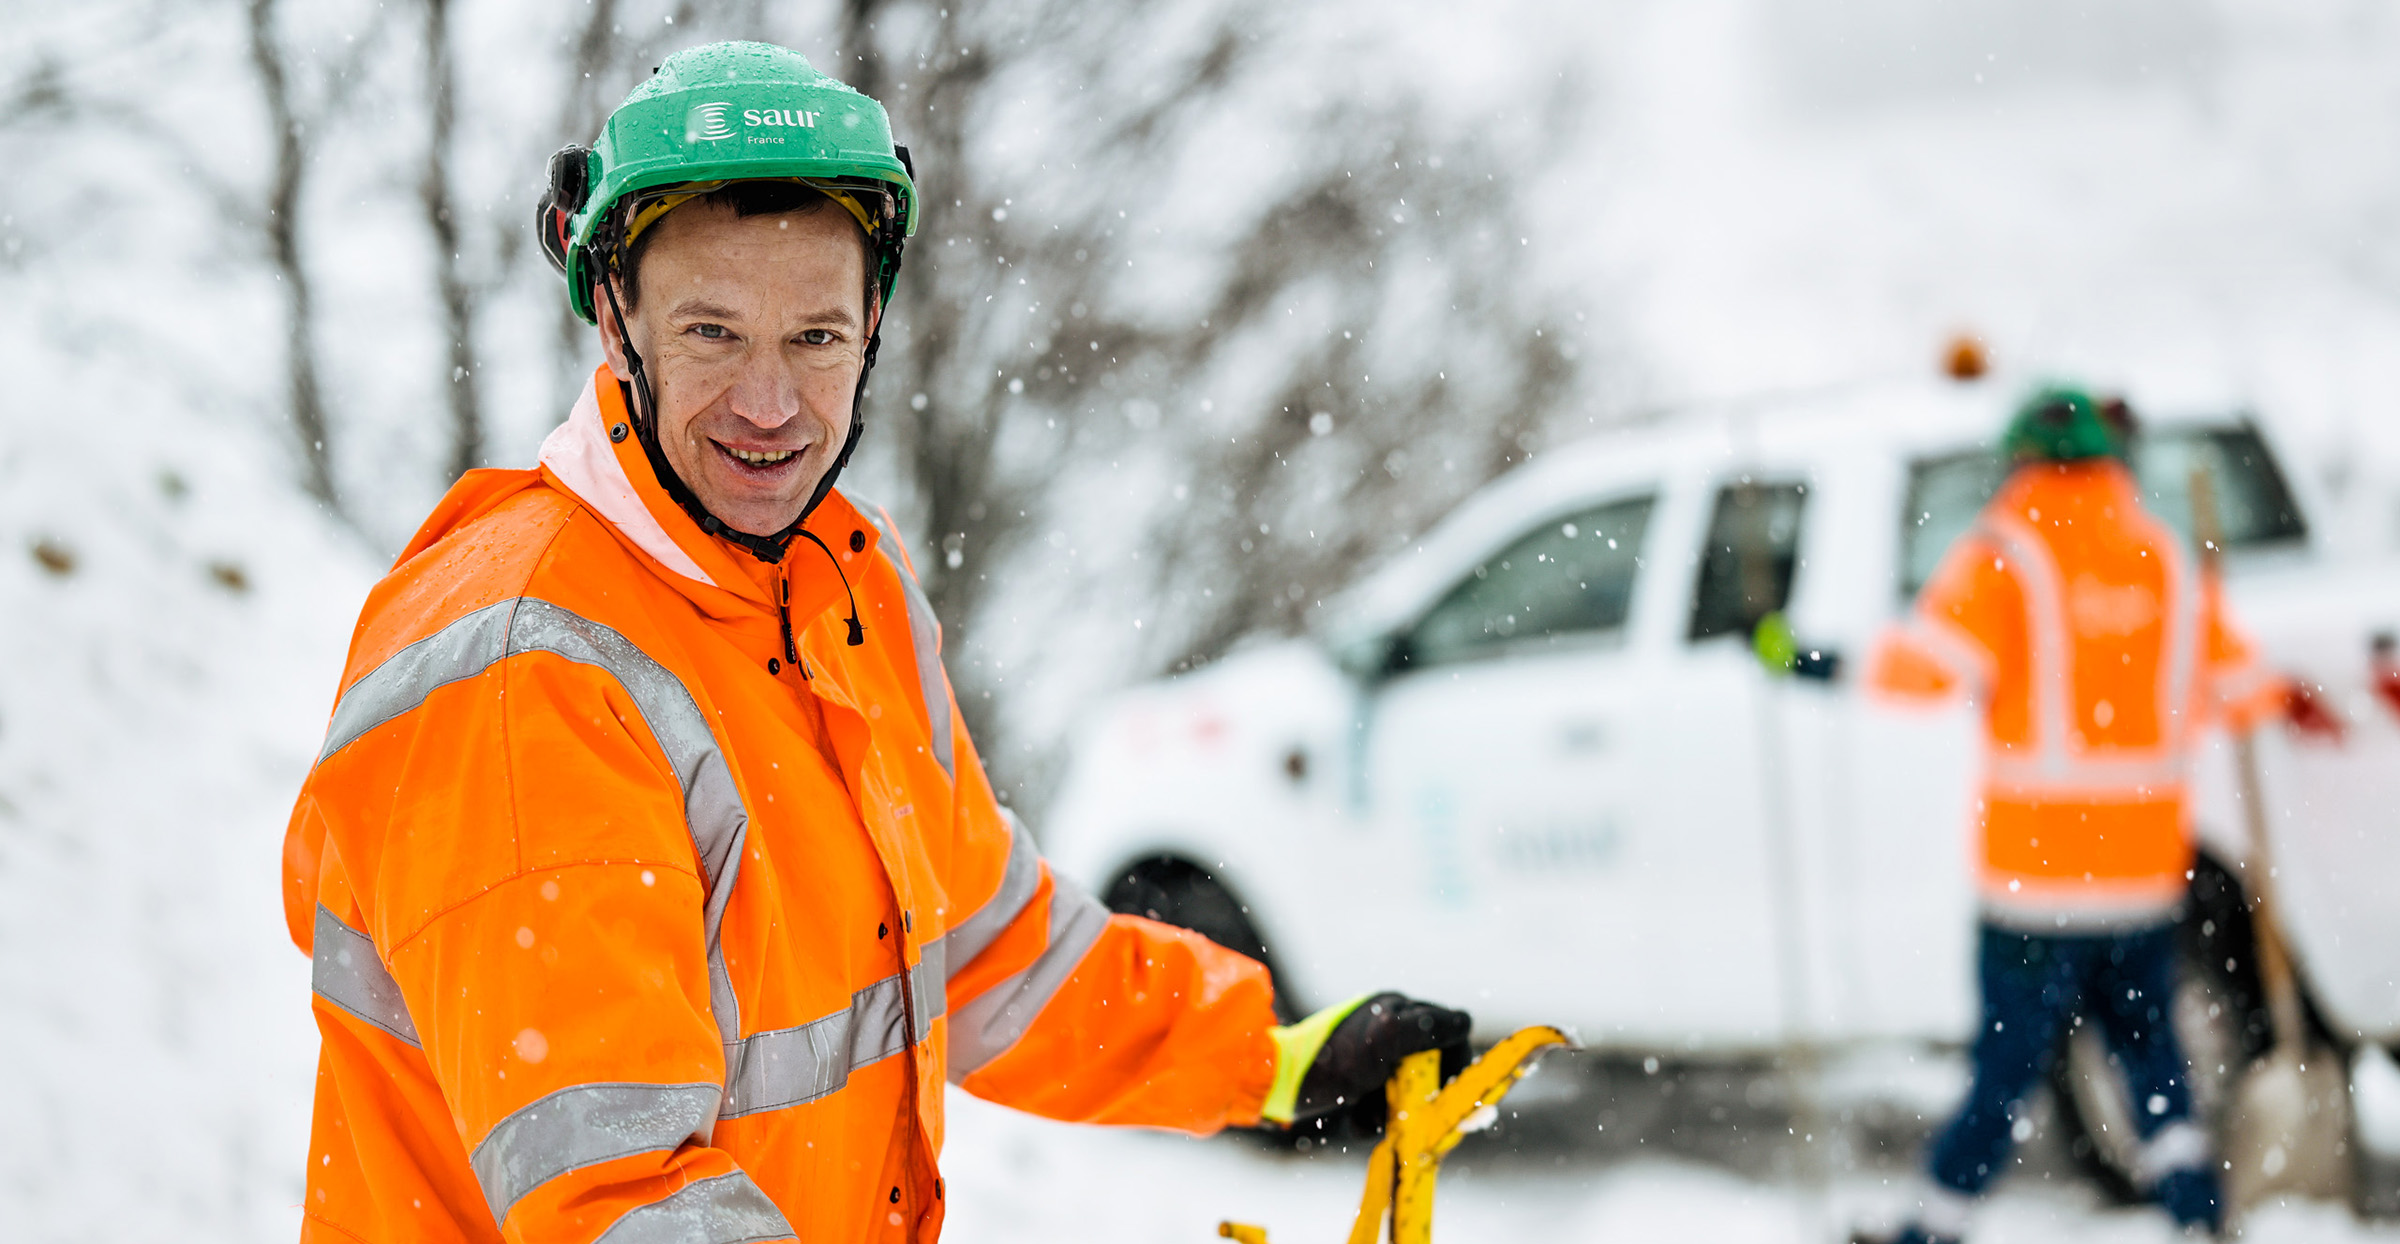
x=1427 y=1122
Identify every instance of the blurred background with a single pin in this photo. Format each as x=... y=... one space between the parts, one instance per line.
x=1215 y=305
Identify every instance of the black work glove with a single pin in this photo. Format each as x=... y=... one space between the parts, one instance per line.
x=1342 y=1055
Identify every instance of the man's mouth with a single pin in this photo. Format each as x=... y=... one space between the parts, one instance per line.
x=757 y=459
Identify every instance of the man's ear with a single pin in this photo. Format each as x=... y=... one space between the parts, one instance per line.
x=612 y=343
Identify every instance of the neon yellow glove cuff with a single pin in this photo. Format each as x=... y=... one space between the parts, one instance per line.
x=1775 y=645
x=1296 y=1047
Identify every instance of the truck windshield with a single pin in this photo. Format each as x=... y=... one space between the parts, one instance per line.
x=1570 y=579
x=2254 y=505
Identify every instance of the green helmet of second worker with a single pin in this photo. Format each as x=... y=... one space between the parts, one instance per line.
x=2063 y=423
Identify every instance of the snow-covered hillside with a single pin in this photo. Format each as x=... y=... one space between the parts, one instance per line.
x=172 y=622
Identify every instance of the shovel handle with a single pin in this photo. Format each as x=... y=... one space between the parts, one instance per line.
x=2274 y=963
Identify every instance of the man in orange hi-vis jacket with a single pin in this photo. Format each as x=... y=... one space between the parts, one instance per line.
x=2096 y=648
x=654 y=890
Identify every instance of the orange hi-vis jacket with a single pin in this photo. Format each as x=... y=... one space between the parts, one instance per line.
x=2096 y=650
x=628 y=926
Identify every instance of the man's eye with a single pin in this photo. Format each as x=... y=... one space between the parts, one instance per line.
x=817 y=336
x=713 y=332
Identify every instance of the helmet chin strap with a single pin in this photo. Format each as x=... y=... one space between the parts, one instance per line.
x=644 y=401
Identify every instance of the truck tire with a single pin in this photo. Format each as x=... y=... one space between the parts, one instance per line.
x=1178 y=892
x=2219 y=1019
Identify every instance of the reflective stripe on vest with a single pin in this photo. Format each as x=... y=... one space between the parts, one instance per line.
x=344 y=970
x=583 y=1126
x=925 y=637
x=792 y=1066
x=2058 y=764
x=712 y=806
x=728 y=1209
x=1018 y=882
x=985 y=1028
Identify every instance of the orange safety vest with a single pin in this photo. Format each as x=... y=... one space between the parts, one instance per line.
x=632 y=920
x=2078 y=622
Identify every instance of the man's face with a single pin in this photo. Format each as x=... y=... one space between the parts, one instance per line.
x=753 y=330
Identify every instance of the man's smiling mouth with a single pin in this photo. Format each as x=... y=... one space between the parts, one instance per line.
x=758 y=457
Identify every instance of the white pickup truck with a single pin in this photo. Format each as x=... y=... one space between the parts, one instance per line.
x=1533 y=767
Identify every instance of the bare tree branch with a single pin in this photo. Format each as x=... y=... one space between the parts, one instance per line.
x=282 y=226
x=459 y=297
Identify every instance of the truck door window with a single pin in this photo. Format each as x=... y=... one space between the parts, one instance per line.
x=1752 y=551
x=2254 y=504
x=1944 y=495
x=1570 y=579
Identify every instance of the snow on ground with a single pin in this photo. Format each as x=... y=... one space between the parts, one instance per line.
x=1018 y=1180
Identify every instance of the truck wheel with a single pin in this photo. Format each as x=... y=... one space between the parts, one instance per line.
x=1181 y=893
x=2218 y=1020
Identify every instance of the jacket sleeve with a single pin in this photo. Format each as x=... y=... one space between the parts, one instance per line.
x=546 y=929
x=1953 y=639
x=1059 y=1008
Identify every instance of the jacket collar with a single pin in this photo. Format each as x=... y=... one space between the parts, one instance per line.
x=613 y=478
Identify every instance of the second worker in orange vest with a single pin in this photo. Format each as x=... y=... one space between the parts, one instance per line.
x=2096 y=650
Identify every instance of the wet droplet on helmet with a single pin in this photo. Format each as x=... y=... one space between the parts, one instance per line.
x=617 y=432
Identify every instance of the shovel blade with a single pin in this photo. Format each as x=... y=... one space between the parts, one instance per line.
x=2288 y=1132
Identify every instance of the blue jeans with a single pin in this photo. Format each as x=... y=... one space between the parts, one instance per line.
x=2033 y=986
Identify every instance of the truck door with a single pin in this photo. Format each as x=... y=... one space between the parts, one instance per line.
x=1504 y=762
x=1713 y=803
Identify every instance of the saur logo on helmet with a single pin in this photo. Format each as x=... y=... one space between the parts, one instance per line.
x=705 y=123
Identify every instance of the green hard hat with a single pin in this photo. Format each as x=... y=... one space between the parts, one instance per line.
x=724 y=112
x=2060 y=423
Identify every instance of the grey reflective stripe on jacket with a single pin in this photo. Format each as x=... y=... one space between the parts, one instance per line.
x=1018 y=880
x=583 y=1126
x=728 y=1209
x=712 y=807
x=986 y=1027
x=791 y=1066
x=344 y=970
x=925 y=636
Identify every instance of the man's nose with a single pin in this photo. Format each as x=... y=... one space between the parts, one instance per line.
x=765 y=393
